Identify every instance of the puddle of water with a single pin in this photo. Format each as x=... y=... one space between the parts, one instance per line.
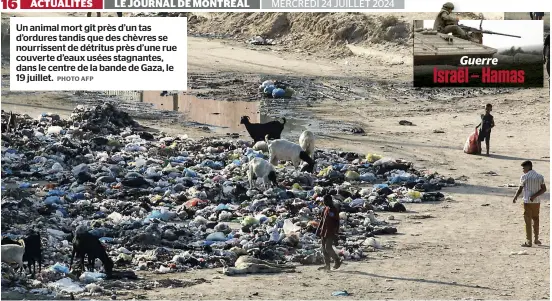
x=225 y=116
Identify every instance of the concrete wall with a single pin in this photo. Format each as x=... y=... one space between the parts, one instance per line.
x=168 y=103
x=206 y=111
x=218 y=112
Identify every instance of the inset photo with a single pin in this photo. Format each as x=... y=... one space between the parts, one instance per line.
x=478 y=53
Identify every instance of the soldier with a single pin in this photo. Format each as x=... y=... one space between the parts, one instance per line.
x=446 y=23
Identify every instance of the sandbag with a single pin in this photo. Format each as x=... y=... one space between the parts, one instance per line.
x=472 y=145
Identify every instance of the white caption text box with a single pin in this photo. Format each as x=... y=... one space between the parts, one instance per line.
x=149 y=70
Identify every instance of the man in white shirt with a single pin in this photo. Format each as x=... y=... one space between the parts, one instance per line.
x=532 y=186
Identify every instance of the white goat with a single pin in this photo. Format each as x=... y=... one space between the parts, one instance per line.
x=261 y=146
x=260 y=168
x=282 y=149
x=14 y=254
x=306 y=141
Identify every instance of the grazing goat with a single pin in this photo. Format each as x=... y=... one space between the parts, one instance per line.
x=88 y=244
x=33 y=250
x=306 y=141
x=260 y=168
x=258 y=131
x=250 y=265
x=13 y=253
x=281 y=149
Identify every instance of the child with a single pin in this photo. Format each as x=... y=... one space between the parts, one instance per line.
x=327 y=230
x=487 y=123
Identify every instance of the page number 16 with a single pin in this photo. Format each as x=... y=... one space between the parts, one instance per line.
x=9 y=4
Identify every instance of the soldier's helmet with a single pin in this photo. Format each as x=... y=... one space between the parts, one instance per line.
x=448 y=5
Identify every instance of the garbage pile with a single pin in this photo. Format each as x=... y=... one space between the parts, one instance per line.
x=276 y=89
x=258 y=40
x=170 y=204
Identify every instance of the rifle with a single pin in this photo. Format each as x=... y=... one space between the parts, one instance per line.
x=481 y=31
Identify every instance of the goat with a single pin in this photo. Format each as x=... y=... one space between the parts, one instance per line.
x=261 y=146
x=281 y=149
x=13 y=253
x=258 y=131
x=260 y=168
x=8 y=241
x=306 y=141
x=33 y=250
x=88 y=244
x=250 y=265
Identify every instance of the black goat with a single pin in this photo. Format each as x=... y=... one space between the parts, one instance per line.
x=258 y=131
x=33 y=250
x=88 y=244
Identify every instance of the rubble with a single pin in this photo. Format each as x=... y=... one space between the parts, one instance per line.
x=171 y=204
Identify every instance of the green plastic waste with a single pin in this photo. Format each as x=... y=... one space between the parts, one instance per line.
x=296 y=186
x=249 y=220
x=289 y=92
x=352 y=175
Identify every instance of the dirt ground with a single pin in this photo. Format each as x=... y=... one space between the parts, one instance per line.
x=464 y=251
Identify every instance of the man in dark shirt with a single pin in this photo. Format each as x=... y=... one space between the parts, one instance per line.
x=487 y=123
x=327 y=230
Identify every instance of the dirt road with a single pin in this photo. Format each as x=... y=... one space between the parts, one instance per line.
x=464 y=250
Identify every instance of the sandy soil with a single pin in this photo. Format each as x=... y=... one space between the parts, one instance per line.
x=464 y=250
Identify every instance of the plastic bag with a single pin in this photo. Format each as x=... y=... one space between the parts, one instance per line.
x=371 y=158
x=89 y=277
x=352 y=175
x=249 y=220
x=414 y=194
x=289 y=227
x=66 y=285
x=216 y=236
x=55 y=130
x=60 y=268
x=472 y=144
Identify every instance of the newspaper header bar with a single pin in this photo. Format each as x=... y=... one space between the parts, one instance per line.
x=332 y=4
x=377 y=6
x=148 y=5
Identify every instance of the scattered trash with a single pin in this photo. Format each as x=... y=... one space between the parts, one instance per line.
x=276 y=89
x=258 y=40
x=406 y=122
x=340 y=293
x=170 y=204
x=523 y=252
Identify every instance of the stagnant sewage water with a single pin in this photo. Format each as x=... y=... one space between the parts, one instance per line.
x=225 y=116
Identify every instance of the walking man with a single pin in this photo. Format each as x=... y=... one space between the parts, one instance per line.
x=327 y=230
x=532 y=186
